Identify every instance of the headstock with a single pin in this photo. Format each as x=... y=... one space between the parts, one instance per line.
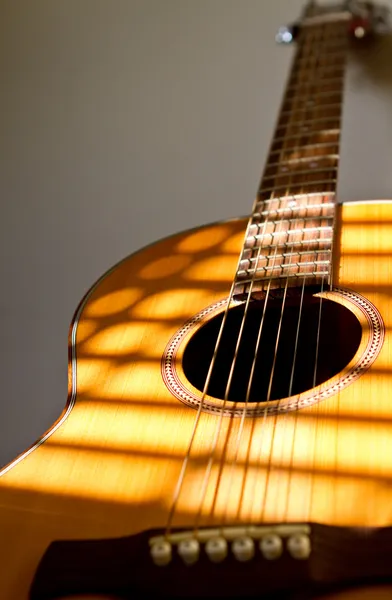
x=363 y=19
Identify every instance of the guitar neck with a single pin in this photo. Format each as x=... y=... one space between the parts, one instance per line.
x=290 y=233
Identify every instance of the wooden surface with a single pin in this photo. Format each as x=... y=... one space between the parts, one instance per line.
x=111 y=468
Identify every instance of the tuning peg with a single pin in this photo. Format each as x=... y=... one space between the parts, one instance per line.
x=287 y=34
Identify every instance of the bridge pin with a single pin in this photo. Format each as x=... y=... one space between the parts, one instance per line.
x=271 y=546
x=243 y=548
x=299 y=546
x=161 y=553
x=189 y=551
x=216 y=549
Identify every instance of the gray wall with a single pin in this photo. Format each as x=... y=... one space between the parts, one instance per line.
x=123 y=121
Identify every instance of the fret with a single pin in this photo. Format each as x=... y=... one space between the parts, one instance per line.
x=309 y=101
x=282 y=276
x=309 y=273
x=283 y=255
x=326 y=106
x=296 y=173
x=312 y=63
x=291 y=230
x=297 y=158
x=317 y=39
x=315 y=66
x=258 y=288
x=303 y=159
x=300 y=201
x=305 y=219
x=267 y=226
x=328 y=57
x=288 y=186
x=304 y=189
x=306 y=123
x=260 y=261
x=297 y=208
x=298 y=196
x=291 y=244
x=250 y=251
x=309 y=146
x=305 y=97
x=312 y=263
x=324 y=82
x=292 y=203
x=280 y=175
x=333 y=131
x=302 y=230
x=319 y=71
x=326 y=46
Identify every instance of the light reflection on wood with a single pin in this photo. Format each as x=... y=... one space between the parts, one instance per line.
x=233 y=243
x=215 y=268
x=86 y=329
x=344 y=457
x=113 y=465
x=164 y=267
x=168 y=304
x=362 y=272
x=113 y=302
x=197 y=242
x=127 y=337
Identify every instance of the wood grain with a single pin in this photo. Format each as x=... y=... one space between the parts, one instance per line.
x=110 y=469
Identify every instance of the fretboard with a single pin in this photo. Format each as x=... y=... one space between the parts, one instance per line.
x=290 y=233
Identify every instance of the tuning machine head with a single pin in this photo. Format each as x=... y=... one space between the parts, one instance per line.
x=368 y=18
x=363 y=19
x=287 y=34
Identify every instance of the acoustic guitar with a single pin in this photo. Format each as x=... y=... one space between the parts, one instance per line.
x=228 y=428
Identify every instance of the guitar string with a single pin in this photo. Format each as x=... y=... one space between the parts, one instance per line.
x=250 y=381
x=291 y=453
x=244 y=412
x=227 y=390
x=186 y=459
x=266 y=408
x=184 y=466
x=201 y=404
x=317 y=411
x=273 y=422
x=290 y=387
x=249 y=386
x=253 y=426
x=219 y=426
x=220 y=420
x=286 y=418
x=295 y=416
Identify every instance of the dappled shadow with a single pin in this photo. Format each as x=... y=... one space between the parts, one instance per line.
x=200 y=462
x=126 y=321
x=112 y=467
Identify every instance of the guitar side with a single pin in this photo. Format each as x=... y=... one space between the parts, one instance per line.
x=112 y=463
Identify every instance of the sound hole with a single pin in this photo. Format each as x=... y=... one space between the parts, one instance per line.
x=334 y=344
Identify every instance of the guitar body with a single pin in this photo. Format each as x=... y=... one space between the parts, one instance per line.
x=110 y=466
